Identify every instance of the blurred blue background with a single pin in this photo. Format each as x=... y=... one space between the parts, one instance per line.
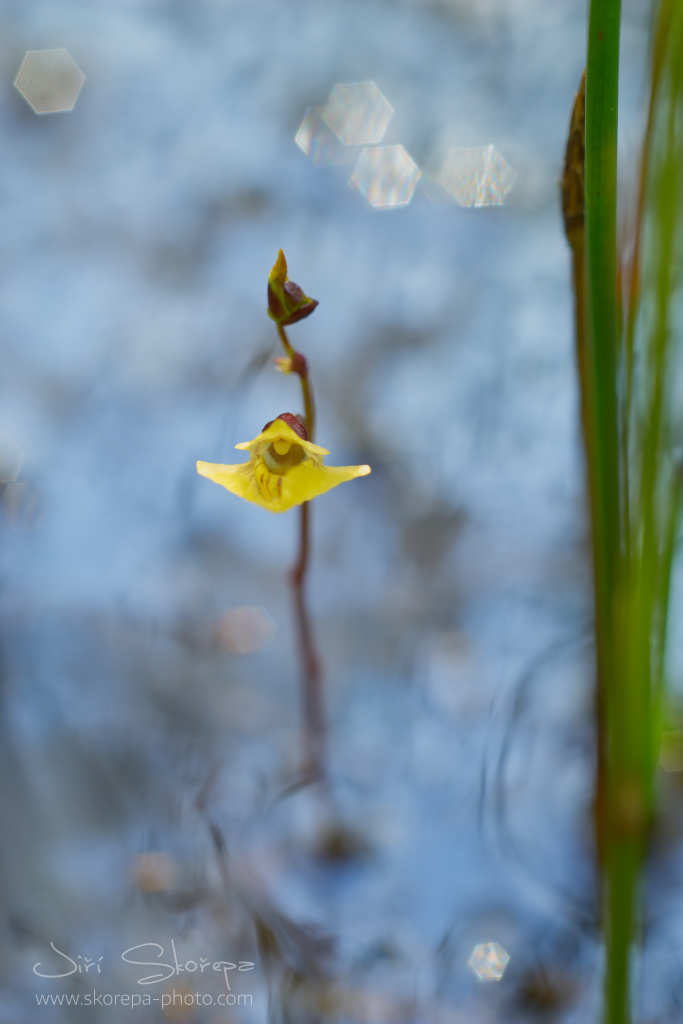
x=149 y=704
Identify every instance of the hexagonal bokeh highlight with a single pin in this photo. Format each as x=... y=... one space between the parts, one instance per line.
x=386 y=176
x=317 y=140
x=357 y=113
x=50 y=80
x=488 y=961
x=476 y=177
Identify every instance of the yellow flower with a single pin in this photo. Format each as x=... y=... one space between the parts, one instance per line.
x=284 y=468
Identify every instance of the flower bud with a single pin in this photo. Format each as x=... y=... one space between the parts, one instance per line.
x=286 y=301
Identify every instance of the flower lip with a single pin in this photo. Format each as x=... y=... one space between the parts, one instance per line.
x=292 y=421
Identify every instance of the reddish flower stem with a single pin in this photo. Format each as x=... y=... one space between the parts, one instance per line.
x=311 y=673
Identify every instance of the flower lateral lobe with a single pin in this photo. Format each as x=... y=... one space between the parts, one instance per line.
x=284 y=468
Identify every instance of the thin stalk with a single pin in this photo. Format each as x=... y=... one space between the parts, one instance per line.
x=573 y=210
x=620 y=828
x=634 y=292
x=633 y=278
x=602 y=76
x=660 y=483
x=300 y=367
x=602 y=446
x=314 y=720
x=311 y=674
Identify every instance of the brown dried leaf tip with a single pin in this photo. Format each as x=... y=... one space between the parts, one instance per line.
x=573 y=206
x=286 y=300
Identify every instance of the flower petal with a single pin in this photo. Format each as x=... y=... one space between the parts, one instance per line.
x=238 y=480
x=253 y=481
x=308 y=480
